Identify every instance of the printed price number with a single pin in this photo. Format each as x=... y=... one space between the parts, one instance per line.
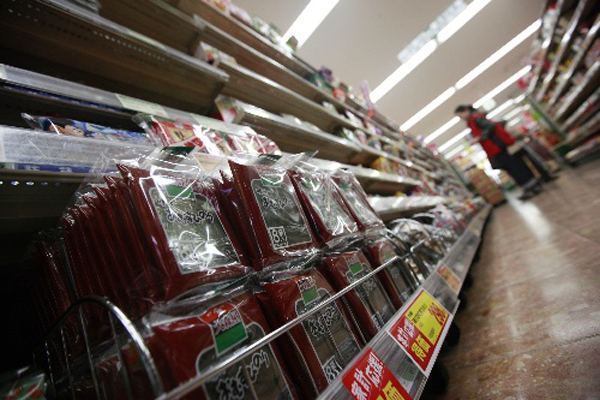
x=449 y=277
x=370 y=379
x=419 y=328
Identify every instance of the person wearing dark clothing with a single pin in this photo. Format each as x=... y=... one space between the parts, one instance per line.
x=495 y=142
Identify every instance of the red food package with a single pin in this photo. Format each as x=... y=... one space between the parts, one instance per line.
x=189 y=345
x=277 y=225
x=356 y=200
x=129 y=224
x=393 y=277
x=325 y=208
x=369 y=302
x=324 y=342
x=191 y=241
x=175 y=133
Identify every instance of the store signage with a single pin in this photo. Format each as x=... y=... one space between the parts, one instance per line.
x=419 y=328
x=370 y=379
x=449 y=277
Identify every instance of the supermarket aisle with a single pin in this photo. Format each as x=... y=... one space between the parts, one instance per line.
x=531 y=329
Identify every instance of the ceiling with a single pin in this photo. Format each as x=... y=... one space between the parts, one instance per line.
x=360 y=40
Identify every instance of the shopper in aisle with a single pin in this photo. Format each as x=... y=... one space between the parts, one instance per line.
x=496 y=142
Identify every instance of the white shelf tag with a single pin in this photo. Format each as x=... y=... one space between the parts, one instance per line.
x=141 y=105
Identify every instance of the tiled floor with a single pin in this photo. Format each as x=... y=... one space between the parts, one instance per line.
x=531 y=328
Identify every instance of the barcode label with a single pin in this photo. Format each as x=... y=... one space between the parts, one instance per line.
x=278 y=237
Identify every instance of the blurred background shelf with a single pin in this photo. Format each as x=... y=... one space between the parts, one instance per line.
x=63 y=40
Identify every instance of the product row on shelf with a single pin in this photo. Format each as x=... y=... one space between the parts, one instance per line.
x=565 y=81
x=187 y=201
x=308 y=260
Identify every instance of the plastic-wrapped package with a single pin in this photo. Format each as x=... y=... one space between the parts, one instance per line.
x=329 y=217
x=190 y=337
x=356 y=200
x=369 y=302
x=324 y=343
x=169 y=132
x=394 y=278
x=188 y=235
x=423 y=247
x=64 y=126
x=23 y=384
x=276 y=228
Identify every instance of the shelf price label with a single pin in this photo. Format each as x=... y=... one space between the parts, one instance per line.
x=449 y=277
x=419 y=328
x=370 y=379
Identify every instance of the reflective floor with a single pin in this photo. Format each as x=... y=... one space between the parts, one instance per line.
x=531 y=326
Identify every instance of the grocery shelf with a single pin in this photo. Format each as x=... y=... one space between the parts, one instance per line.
x=243 y=33
x=371 y=180
x=57 y=38
x=390 y=208
x=458 y=260
x=544 y=48
x=587 y=109
x=582 y=8
x=583 y=132
x=587 y=149
x=293 y=138
x=565 y=80
x=584 y=90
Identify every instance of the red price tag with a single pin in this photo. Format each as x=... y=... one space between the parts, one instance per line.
x=419 y=328
x=449 y=277
x=370 y=379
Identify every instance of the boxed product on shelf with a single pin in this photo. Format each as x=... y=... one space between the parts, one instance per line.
x=64 y=126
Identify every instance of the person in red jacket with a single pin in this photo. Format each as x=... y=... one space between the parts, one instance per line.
x=495 y=142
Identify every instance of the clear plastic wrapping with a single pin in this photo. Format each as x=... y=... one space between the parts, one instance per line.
x=205 y=138
x=187 y=338
x=269 y=211
x=151 y=235
x=369 y=302
x=70 y=127
x=329 y=216
x=321 y=346
x=356 y=200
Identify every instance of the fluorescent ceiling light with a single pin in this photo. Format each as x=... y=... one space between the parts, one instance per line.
x=501 y=87
x=514 y=121
x=513 y=113
x=504 y=50
x=442 y=129
x=309 y=20
x=520 y=98
x=455 y=139
x=428 y=108
x=461 y=19
x=402 y=71
x=453 y=152
x=498 y=110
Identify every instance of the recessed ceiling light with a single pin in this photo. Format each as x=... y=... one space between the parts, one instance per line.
x=461 y=19
x=501 y=52
x=309 y=20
